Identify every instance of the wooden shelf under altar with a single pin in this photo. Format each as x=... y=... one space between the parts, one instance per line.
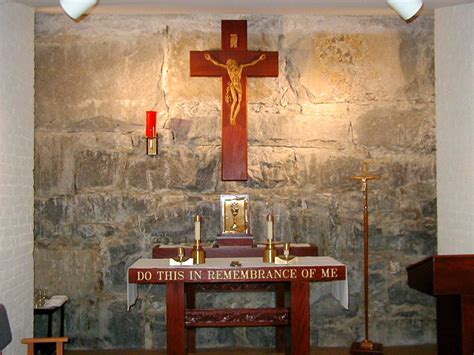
x=450 y=278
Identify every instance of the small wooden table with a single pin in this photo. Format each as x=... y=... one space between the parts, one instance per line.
x=450 y=278
x=49 y=312
x=253 y=270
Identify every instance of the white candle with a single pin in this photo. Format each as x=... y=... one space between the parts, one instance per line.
x=286 y=250
x=270 y=227
x=197 y=227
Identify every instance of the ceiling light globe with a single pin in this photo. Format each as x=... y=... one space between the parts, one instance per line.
x=77 y=8
x=406 y=8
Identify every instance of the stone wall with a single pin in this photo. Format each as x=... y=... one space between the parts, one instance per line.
x=350 y=89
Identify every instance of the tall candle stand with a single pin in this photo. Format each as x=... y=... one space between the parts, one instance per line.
x=366 y=346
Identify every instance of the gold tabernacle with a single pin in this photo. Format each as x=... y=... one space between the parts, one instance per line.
x=235 y=214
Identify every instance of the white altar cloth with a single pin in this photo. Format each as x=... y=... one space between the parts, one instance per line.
x=339 y=288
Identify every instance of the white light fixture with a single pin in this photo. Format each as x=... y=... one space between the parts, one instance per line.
x=406 y=8
x=77 y=8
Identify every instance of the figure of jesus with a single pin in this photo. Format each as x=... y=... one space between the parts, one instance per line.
x=233 y=93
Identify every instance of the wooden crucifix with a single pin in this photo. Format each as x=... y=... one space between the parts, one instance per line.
x=234 y=63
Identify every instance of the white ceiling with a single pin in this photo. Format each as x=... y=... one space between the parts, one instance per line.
x=357 y=7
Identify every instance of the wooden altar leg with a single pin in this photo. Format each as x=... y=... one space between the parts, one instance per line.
x=467 y=324
x=191 y=304
x=175 y=318
x=300 y=335
x=280 y=330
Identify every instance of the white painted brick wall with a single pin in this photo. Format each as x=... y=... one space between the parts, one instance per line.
x=16 y=169
x=454 y=65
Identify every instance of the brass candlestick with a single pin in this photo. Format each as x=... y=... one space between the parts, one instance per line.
x=181 y=258
x=286 y=253
x=151 y=145
x=286 y=258
x=198 y=253
x=151 y=134
x=270 y=252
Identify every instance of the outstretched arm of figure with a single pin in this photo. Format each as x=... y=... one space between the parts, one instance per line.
x=259 y=59
x=215 y=62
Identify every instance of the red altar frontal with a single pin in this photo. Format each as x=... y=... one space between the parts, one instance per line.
x=252 y=271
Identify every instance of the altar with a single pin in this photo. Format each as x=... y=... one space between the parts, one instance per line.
x=250 y=270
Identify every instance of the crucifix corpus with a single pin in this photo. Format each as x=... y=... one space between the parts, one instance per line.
x=366 y=346
x=234 y=63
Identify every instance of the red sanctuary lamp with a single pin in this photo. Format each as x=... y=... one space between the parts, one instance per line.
x=151 y=134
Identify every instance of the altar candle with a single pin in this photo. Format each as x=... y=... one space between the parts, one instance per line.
x=150 y=124
x=197 y=227
x=270 y=227
x=286 y=249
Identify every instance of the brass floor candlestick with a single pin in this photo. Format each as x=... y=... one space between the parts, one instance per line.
x=366 y=346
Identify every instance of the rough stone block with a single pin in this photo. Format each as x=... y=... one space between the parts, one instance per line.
x=124 y=77
x=56 y=267
x=400 y=294
x=97 y=169
x=54 y=164
x=179 y=168
x=396 y=127
x=404 y=328
x=98 y=208
x=124 y=328
x=117 y=258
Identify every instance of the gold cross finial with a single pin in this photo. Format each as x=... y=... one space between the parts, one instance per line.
x=365 y=176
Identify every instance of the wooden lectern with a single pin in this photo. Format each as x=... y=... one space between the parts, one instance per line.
x=450 y=278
